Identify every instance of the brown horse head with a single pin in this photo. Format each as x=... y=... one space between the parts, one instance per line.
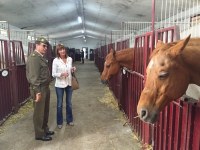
x=116 y=60
x=111 y=66
x=167 y=79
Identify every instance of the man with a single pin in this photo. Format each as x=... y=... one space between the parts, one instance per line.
x=38 y=75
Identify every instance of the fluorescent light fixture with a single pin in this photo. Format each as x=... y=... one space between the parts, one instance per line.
x=79 y=19
x=84 y=37
x=82 y=31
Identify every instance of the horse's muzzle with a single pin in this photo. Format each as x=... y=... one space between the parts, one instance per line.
x=148 y=117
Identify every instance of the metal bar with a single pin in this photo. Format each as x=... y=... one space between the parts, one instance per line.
x=177 y=104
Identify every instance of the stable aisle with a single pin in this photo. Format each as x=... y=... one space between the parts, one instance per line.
x=99 y=125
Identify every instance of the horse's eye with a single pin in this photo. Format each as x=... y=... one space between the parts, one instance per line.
x=163 y=74
x=107 y=66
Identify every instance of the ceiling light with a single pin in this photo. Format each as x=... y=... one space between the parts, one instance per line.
x=82 y=31
x=29 y=37
x=79 y=19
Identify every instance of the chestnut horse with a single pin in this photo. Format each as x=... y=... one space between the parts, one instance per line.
x=116 y=60
x=171 y=69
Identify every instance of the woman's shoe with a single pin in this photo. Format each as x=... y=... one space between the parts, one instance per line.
x=60 y=126
x=71 y=124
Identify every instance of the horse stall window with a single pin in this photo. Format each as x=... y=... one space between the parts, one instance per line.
x=195 y=20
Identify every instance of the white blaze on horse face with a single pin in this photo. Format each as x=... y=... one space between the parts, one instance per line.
x=151 y=64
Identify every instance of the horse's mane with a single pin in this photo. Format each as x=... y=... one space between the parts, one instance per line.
x=125 y=56
x=165 y=46
x=125 y=50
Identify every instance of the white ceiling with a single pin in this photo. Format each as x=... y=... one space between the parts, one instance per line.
x=58 y=18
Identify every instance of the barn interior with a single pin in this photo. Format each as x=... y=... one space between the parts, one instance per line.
x=96 y=26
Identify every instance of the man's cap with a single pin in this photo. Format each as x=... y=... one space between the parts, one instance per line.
x=41 y=40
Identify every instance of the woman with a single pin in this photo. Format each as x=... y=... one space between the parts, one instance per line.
x=61 y=70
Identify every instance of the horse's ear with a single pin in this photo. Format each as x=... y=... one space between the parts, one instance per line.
x=176 y=49
x=159 y=43
x=112 y=51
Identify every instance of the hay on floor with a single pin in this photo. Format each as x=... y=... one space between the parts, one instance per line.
x=13 y=119
x=108 y=99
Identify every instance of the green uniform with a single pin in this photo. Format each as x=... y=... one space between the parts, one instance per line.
x=38 y=75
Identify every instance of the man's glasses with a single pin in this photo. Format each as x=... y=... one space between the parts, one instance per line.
x=44 y=45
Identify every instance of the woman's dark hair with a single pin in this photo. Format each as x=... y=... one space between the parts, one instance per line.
x=59 y=47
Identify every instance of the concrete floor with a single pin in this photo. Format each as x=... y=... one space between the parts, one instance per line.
x=97 y=126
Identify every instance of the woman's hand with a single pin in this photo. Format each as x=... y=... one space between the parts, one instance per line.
x=73 y=69
x=64 y=74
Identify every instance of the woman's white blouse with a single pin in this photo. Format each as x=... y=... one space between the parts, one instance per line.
x=59 y=67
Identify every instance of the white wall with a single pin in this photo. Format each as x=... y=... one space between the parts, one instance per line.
x=79 y=43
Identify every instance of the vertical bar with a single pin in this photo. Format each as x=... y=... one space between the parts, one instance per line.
x=169 y=11
x=174 y=10
x=153 y=23
x=196 y=30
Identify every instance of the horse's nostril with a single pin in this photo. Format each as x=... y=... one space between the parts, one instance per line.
x=143 y=113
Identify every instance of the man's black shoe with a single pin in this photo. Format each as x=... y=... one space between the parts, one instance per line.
x=44 y=138
x=50 y=133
